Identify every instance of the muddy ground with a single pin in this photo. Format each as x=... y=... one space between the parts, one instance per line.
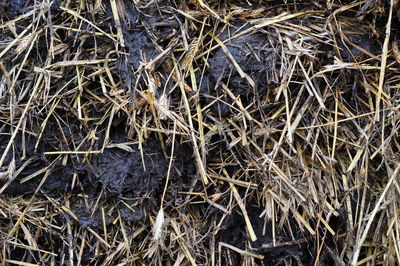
x=127 y=178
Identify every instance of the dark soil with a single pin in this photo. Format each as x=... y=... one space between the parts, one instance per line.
x=234 y=233
x=13 y=8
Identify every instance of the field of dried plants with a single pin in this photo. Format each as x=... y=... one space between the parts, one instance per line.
x=200 y=132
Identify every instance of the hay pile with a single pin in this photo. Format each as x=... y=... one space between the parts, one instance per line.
x=199 y=132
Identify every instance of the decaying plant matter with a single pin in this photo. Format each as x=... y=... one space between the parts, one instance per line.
x=199 y=132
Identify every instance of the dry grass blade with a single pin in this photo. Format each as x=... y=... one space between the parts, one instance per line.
x=371 y=217
x=385 y=51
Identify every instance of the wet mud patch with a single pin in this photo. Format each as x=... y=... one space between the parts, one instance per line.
x=253 y=54
x=295 y=248
x=146 y=33
x=124 y=172
x=244 y=66
x=12 y=8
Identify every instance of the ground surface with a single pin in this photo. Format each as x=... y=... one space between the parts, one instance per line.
x=199 y=132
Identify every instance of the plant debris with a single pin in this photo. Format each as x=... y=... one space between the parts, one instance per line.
x=199 y=132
